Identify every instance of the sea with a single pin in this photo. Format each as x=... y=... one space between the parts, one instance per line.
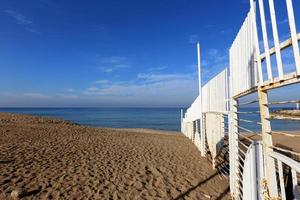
x=151 y=118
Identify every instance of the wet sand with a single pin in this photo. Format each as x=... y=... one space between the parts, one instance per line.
x=52 y=159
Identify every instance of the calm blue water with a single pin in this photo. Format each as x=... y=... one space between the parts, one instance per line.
x=277 y=125
x=153 y=118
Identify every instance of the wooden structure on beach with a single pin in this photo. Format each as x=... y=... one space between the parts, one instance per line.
x=257 y=169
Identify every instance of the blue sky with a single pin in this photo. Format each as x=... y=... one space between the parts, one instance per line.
x=113 y=52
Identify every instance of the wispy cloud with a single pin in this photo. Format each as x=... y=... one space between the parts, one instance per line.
x=213 y=61
x=36 y=95
x=113 y=63
x=158 y=68
x=284 y=21
x=114 y=59
x=149 y=77
x=22 y=20
x=18 y=17
x=68 y=96
x=101 y=81
x=149 y=88
x=70 y=90
x=279 y=22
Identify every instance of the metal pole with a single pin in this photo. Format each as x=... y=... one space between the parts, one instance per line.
x=199 y=70
x=202 y=125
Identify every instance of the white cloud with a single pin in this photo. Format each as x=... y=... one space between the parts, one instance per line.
x=158 y=68
x=36 y=95
x=32 y=30
x=101 y=81
x=149 y=77
x=22 y=20
x=279 y=22
x=68 y=96
x=70 y=90
x=91 y=89
x=148 y=89
x=284 y=21
x=113 y=63
x=18 y=17
x=114 y=59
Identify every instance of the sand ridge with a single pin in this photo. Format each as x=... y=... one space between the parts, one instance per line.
x=54 y=159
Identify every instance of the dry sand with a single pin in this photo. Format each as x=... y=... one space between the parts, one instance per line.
x=53 y=159
x=282 y=141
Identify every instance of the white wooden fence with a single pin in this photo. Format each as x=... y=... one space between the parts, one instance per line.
x=257 y=167
x=207 y=115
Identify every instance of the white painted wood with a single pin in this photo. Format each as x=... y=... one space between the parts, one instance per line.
x=245 y=74
x=295 y=184
x=214 y=133
x=245 y=57
x=203 y=135
x=257 y=59
x=214 y=94
x=252 y=172
x=281 y=180
x=265 y=39
x=276 y=39
x=292 y=25
x=269 y=164
x=286 y=160
x=233 y=148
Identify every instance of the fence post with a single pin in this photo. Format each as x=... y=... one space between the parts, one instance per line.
x=202 y=134
x=194 y=123
x=197 y=135
x=181 y=119
x=233 y=148
x=269 y=164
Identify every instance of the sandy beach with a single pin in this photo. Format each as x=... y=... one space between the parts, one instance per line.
x=46 y=158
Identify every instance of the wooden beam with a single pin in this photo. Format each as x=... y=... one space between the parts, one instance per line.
x=269 y=164
x=283 y=45
x=288 y=79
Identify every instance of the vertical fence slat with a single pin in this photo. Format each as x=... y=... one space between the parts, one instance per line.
x=292 y=25
x=281 y=180
x=234 y=140
x=276 y=39
x=256 y=45
x=295 y=184
x=265 y=39
x=203 y=134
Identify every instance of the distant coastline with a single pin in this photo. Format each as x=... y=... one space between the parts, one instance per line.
x=286 y=114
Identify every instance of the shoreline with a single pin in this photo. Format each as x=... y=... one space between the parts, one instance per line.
x=286 y=114
x=50 y=158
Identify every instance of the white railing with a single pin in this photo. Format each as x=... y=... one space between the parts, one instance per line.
x=250 y=72
x=215 y=93
x=294 y=167
x=242 y=54
x=208 y=115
